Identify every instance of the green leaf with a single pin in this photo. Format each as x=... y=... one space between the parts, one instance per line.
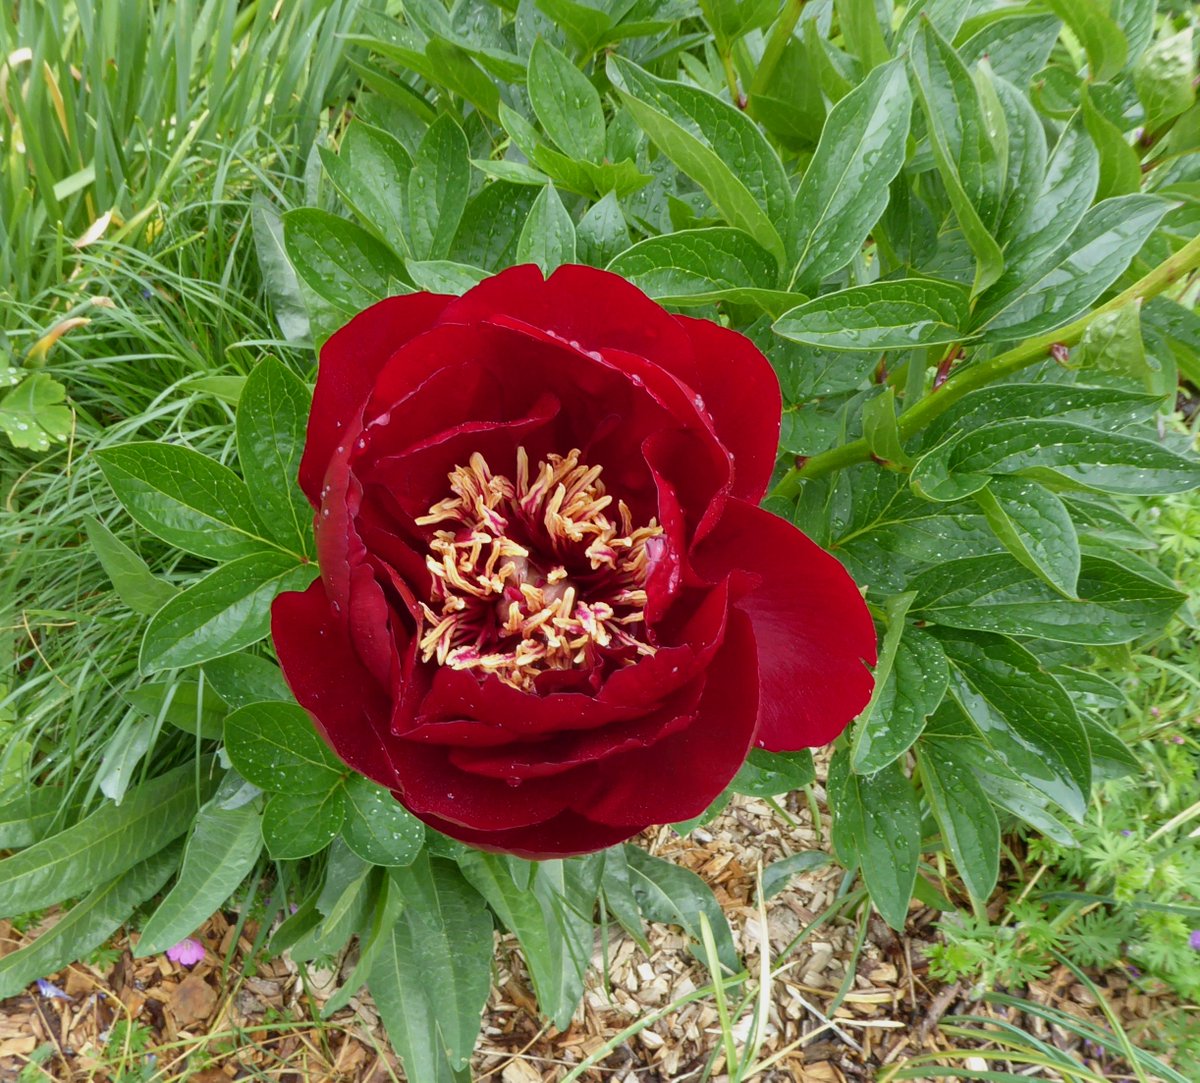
x=1111 y=757
x=716 y=145
x=548 y=236
x=377 y=827
x=965 y=156
x=275 y=746
x=371 y=170
x=1101 y=37
x=730 y=20
x=601 y=235
x=845 y=187
x=432 y=977
x=1113 y=343
x=877 y=826
x=566 y=103
x=229 y=609
x=1023 y=713
x=444 y=276
x=438 y=188
x=136 y=585
x=1164 y=78
x=896 y=315
x=279 y=276
x=240 y=679
x=272 y=417
x=491 y=225
x=881 y=430
x=223 y=848
x=1036 y=527
x=87 y=925
x=668 y=892
x=619 y=899
x=32 y=414
x=859 y=21
x=765 y=774
x=1120 y=168
x=26 y=818
x=105 y=844
x=295 y=825
x=1016 y=45
x=994 y=593
x=339 y=261
x=385 y=911
x=695 y=266
x=347 y=896
x=1090 y=260
x=1108 y=461
x=182 y=704
x=910 y=680
x=965 y=815
x=1052 y=206
x=778 y=874
x=189 y=500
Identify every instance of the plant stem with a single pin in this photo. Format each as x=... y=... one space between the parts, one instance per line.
x=975 y=376
x=780 y=35
x=735 y=95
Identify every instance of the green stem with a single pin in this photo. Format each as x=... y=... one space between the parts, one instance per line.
x=781 y=34
x=735 y=95
x=1187 y=259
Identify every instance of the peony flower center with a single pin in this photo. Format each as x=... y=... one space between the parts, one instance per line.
x=534 y=575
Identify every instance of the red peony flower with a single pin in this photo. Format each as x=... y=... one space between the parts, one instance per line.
x=551 y=612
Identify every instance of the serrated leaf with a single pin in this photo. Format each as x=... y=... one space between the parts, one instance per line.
x=895 y=315
x=845 y=187
x=189 y=500
x=695 y=266
x=106 y=843
x=1023 y=713
x=32 y=414
x=432 y=977
x=668 y=892
x=566 y=103
x=228 y=610
x=965 y=815
x=716 y=145
x=377 y=828
x=877 y=826
x=296 y=825
x=272 y=419
x=136 y=585
x=341 y=262
x=275 y=746
x=87 y=925
x=223 y=848
x=438 y=188
x=548 y=236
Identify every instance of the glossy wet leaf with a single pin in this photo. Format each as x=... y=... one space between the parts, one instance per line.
x=437 y=189
x=272 y=418
x=845 y=187
x=1164 y=77
x=548 y=237
x=765 y=774
x=244 y=678
x=275 y=746
x=566 y=103
x=601 y=234
x=1100 y=35
x=223 y=848
x=877 y=826
x=136 y=585
x=1035 y=527
x=371 y=170
x=227 y=610
x=893 y=315
x=296 y=825
x=339 y=261
x=34 y=414
x=377 y=828
x=189 y=500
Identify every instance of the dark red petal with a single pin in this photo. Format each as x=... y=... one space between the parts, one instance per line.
x=681 y=775
x=565 y=835
x=595 y=309
x=350 y=362
x=741 y=392
x=330 y=682
x=815 y=635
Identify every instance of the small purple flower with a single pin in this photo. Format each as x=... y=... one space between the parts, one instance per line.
x=50 y=991
x=188 y=952
x=1126 y=832
x=1178 y=739
x=1132 y=971
x=1194 y=940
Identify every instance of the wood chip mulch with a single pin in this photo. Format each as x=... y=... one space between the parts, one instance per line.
x=138 y=1021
